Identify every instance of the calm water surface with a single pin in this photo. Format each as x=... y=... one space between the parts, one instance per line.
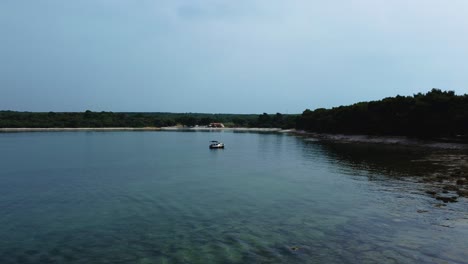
x=164 y=197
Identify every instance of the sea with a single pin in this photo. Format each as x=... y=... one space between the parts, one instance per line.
x=165 y=197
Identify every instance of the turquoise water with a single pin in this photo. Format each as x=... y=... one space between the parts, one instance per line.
x=164 y=197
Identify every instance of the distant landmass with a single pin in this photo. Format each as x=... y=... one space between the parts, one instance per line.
x=436 y=113
x=90 y=119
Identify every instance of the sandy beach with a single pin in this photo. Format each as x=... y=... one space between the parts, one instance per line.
x=238 y=129
x=103 y=129
x=79 y=129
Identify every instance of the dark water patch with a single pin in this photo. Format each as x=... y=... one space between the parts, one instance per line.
x=442 y=170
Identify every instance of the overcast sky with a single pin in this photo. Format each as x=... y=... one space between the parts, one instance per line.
x=243 y=56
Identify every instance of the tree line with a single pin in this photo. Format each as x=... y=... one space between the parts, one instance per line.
x=14 y=119
x=436 y=113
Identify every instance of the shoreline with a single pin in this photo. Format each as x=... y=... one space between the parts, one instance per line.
x=74 y=129
x=104 y=129
x=213 y=129
x=449 y=186
x=386 y=140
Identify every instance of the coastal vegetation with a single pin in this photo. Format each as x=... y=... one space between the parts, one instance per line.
x=436 y=113
x=14 y=119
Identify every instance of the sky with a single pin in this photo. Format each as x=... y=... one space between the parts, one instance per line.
x=243 y=56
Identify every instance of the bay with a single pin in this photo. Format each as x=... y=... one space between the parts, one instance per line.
x=165 y=197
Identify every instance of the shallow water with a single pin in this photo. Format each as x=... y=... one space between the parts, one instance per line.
x=164 y=197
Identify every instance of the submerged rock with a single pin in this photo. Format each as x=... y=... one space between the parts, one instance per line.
x=450 y=188
x=462 y=193
x=294 y=248
x=446 y=199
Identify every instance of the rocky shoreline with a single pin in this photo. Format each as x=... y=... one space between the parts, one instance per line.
x=452 y=183
x=448 y=184
x=390 y=140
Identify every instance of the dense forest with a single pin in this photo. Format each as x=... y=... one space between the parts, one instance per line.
x=12 y=119
x=434 y=114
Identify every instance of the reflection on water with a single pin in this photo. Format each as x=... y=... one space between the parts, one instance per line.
x=447 y=170
x=402 y=176
x=375 y=159
x=164 y=197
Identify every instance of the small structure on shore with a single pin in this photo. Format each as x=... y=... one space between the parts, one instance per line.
x=216 y=125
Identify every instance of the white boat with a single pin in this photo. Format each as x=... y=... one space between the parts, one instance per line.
x=216 y=145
